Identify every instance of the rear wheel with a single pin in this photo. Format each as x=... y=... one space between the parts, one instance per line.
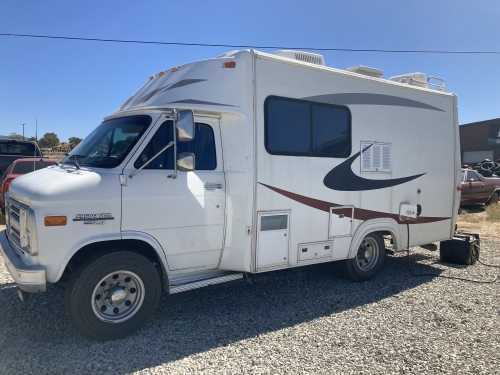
x=494 y=198
x=113 y=295
x=369 y=258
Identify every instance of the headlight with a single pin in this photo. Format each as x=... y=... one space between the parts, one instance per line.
x=23 y=222
x=27 y=232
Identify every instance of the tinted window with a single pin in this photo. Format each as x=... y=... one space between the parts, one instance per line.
x=30 y=166
x=331 y=131
x=203 y=146
x=288 y=129
x=273 y=222
x=303 y=128
x=473 y=176
x=110 y=142
x=15 y=148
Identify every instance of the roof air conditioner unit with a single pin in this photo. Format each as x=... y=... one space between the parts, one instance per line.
x=420 y=80
x=366 y=70
x=308 y=57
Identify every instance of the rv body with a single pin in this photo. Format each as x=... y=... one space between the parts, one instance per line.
x=295 y=163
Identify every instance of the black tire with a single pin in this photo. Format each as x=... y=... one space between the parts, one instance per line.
x=81 y=297
x=494 y=198
x=354 y=269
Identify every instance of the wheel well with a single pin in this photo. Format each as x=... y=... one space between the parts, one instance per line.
x=389 y=238
x=94 y=250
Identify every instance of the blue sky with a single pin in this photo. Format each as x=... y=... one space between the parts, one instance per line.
x=69 y=86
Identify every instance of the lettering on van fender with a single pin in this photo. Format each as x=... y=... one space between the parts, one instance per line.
x=99 y=218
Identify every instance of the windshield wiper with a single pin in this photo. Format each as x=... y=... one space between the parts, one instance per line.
x=74 y=160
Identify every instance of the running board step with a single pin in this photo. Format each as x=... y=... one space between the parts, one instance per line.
x=206 y=282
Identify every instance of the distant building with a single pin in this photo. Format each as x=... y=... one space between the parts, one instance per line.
x=480 y=140
x=62 y=147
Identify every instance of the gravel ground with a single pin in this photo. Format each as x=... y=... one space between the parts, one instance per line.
x=306 y=320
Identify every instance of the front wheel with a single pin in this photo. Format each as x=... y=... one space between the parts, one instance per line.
x=113 y=295
x=369 y=258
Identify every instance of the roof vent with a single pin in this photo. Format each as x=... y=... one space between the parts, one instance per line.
x=366 y=70
x=420 y=80
x=308 y=57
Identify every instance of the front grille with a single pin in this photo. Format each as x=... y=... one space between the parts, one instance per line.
x=14 y=221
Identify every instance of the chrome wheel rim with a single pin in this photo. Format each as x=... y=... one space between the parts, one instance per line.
x=118 y=296
x=368 y=254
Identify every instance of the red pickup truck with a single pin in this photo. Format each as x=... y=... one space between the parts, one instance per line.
x=477 y=189
x=18 y=168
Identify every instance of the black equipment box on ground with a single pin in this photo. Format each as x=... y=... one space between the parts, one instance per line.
x=464 y=249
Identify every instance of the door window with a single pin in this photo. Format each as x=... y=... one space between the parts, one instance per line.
x=203 y=147
x=473 y=176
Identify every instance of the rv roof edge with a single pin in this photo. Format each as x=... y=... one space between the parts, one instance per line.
x=367 y=71
x=388 y=81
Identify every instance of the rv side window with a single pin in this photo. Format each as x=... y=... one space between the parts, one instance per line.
x=288 y=128
x=331 y=131
x=203 y=146
x=302 y=128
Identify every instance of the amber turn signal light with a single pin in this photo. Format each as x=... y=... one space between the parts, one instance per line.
x=230 y=64
x=55 y=221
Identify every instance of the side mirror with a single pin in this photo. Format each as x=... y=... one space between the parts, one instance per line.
x=185 y=126
x=186 y=161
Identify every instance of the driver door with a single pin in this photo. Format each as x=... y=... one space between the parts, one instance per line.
x=183 y=212
x=476 y=191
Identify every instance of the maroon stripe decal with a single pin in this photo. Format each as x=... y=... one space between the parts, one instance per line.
x=359 y=213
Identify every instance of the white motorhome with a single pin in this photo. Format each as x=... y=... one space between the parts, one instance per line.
x=240 y=164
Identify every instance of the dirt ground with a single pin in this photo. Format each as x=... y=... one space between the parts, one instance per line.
x=484 y=220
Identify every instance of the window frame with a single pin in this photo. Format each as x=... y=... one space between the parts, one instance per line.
x=176 y=148
x=311 y=103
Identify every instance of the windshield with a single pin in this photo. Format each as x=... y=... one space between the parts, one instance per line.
x=109 y=143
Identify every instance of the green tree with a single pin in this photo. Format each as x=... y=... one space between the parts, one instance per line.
x=73 y=141
x=49 y=140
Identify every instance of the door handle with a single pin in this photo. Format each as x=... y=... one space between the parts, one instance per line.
x=212 y=186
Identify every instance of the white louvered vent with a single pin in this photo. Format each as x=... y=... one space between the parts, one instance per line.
x=377 y=157
x=309 y=57
x=386 y=157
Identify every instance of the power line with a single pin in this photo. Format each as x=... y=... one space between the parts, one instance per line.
x=199 y=44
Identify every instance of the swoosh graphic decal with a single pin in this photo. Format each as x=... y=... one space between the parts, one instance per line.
x=343 y=178
x=152 y=93
x=195 y=101
x=184 y=82
x=359 y=213
x=370 y=99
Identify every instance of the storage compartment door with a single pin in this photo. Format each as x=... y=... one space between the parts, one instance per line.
x=341 y=221
x=272 y=239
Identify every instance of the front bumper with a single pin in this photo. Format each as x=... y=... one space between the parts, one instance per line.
x=31 y=279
